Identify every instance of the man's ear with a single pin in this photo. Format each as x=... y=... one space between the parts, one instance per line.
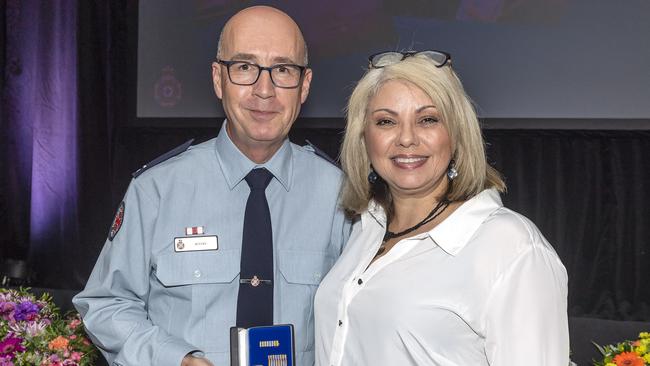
x=306 y=82
x=216 y=79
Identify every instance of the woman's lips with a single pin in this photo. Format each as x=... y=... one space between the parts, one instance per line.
x=409 y=162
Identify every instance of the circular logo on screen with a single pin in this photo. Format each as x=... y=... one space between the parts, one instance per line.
x=168 y=90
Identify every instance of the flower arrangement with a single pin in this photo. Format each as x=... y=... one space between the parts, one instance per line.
x=626 y=353
x=32 y=332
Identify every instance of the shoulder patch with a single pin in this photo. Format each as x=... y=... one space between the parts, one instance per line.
x=320 y=153
x=169 y=154
x=117 y=222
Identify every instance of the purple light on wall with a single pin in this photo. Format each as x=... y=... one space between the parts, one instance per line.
x=54 y=151
x=43 y=116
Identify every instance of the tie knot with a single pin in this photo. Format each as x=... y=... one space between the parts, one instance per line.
x=258 y=178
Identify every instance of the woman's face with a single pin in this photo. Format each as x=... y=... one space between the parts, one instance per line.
x=407 y=143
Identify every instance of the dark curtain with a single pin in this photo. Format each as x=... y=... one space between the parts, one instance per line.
x=64 y=73
x=104 y=54
x=588 y=193
x=39 y=134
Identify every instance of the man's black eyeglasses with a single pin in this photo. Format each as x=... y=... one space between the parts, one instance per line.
x=383 y=59
x=287 y=76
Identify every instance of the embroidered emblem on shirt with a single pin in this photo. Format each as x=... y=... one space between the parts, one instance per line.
x=117 y=222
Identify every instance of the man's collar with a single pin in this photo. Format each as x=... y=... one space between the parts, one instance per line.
x=452 y=234
x=235 y=165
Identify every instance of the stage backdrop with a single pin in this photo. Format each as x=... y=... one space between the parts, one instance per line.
x=517 y=58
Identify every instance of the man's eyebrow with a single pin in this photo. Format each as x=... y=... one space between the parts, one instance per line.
x=283 y=60
x=251 y=57
x=243 y=57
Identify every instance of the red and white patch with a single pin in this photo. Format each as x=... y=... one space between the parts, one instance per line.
x=117 y=222
x=194 y=230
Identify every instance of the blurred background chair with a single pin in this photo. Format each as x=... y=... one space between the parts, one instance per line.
x=14 y=273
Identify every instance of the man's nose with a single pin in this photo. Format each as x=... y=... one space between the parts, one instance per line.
x=264 y=87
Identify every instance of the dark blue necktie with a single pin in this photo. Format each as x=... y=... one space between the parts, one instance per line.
x=255 y=299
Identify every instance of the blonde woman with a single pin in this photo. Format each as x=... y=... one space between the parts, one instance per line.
x=437 y=271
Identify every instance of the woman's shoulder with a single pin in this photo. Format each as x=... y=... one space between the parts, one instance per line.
x=513 y=232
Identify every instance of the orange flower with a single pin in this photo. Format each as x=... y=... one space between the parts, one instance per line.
x=61 y=343
x=628 y=359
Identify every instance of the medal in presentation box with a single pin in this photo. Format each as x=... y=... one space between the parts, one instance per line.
x=271 y=345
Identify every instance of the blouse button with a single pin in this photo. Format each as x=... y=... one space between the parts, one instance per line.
x=340 y=323
x=360 y=281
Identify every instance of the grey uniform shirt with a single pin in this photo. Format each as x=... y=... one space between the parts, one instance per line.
x=146 y=304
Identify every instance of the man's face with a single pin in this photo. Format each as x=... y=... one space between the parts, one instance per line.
x=260 y=115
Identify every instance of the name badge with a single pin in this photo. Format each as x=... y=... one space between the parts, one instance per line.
x=196 y=243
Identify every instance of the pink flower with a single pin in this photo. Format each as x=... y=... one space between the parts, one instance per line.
x=10 y=345
x=76 y=356
x=7 y=310
x=54 y=360
x=74 y=323
x=6 y=361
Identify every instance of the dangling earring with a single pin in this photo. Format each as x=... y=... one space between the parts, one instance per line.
x=372 y=177
x=451 y=171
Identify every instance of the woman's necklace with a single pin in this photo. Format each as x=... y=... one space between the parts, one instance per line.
x=440 y=208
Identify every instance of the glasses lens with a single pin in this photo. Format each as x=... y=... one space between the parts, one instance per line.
x=243 y=73
x=385 y=59
x=437 y=57
x=286 y=75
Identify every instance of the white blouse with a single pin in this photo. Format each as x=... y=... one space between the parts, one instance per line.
x=484 y=287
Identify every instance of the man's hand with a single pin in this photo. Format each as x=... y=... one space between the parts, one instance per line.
x=190 y=360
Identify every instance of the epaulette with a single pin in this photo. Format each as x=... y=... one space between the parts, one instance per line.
x=169 y=154
x=320 y=153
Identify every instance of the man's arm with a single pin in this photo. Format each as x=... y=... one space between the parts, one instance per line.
x=114 y=303
x=341 y=230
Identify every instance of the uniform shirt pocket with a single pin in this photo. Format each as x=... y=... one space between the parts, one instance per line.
x=304 y=267
x=202 y=267
x=302 y=271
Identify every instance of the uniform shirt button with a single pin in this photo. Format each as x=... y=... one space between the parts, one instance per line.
x=197 y=273
x=360 y=281
x=340 y=323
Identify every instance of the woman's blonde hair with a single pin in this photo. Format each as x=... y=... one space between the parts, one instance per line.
x=448 y=95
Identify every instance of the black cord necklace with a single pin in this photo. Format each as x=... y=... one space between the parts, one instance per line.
x=439 y=209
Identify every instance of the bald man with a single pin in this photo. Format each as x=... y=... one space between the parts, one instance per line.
x=167 y=285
